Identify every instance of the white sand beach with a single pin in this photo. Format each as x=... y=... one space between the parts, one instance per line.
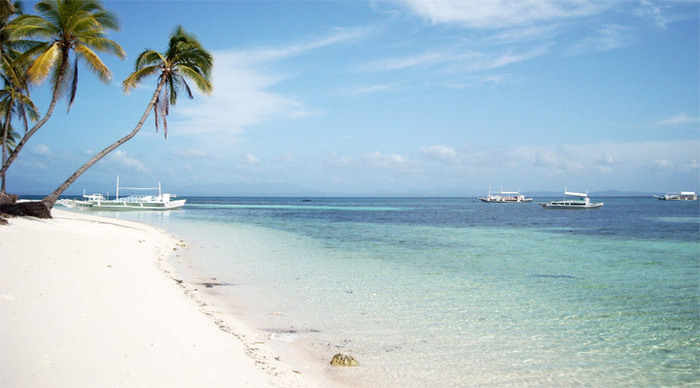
x=89 y=301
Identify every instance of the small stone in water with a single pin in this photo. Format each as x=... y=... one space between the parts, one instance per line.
x=344 y=359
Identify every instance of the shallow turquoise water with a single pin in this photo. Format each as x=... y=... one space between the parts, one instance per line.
x=454 y=293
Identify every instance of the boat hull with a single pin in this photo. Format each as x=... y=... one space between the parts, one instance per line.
x=571 y=206
x=125 y=205
x=508 y=200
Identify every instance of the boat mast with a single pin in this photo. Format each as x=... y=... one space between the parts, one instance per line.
x=117 y=187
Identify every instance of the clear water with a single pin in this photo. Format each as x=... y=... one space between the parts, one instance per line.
x=455 y=293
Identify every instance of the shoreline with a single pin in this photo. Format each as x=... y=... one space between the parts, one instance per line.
x=93 y=300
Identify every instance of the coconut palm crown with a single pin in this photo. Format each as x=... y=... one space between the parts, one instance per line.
x=65 y=29
x=184 y=59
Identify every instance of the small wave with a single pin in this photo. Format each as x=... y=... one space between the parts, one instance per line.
x=554 y=276
x=293 y=207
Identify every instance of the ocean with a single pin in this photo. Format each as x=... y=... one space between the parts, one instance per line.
x=452 y=292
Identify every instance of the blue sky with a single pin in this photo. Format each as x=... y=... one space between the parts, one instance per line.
x=395 y=97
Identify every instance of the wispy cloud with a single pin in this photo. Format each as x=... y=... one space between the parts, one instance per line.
x=592 y=166
x=191 y=154
x=372 y=89
x=244 y=87
x=606 y=38
x=451 y=61
x=40 y=149
x=250 y=159
x=335 y=37
x=680 y=119
x=375 y=161
x=440 y=152
x=497 y=14
x=123 y=159
x=663 y=12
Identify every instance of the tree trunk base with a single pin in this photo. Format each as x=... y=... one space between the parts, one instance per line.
x=26 y=209
x=6 y=199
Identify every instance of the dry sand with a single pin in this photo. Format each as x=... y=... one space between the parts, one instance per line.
x=89 y=301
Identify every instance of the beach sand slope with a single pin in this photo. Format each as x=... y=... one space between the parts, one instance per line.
x=84 y=302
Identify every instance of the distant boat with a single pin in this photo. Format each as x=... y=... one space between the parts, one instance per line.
x=581 y=201
x=682 y=196
x=160 y=201
x=504 y=197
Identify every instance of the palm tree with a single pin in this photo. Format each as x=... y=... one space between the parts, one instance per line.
x=69 y=29
x=14 y=101
x=14 y=96
x=184 y=59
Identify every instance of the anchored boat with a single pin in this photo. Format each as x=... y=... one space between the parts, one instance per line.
x=579 y=201
x=160 y=201
x=504 y=197
x=682 y=196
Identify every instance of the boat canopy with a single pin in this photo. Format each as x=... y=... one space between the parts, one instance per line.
x=137 y=188
x=575 y=194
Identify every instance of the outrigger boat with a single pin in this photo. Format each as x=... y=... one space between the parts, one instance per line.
x=682 y=196
x=161 y=201
x=504 y=197
x=580 y=202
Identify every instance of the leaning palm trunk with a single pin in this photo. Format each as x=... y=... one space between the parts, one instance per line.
x=50 y=200
x=56 y=95
x=5 y=131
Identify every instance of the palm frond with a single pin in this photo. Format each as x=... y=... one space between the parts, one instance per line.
x=94 y=63
x=203 y=83
x=149 y=57
x=25 y=26
x=43 y=64
x=136 y=77
x=103 y=45
x=73 y=84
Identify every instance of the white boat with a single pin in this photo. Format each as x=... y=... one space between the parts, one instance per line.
x=682 y=196
x=581 y=201
x=504 y=197
x=160 y=201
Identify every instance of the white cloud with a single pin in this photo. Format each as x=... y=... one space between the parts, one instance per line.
x=679 y=119
x=336 y=36
x=415 y=61
x=440 y=152
x=495 y=14
x=597 y=162
x=455 y=61
x=122 y=158
x=375 y=161
x=191 y=154
x=395 y=162
x=607 y=38
x=41 y=149
x=663 y=164
x=657 y=11
x=244 y=88
x=251 y=159
x=379 y=88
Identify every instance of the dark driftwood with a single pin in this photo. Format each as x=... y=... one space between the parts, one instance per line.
x=26 y=209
